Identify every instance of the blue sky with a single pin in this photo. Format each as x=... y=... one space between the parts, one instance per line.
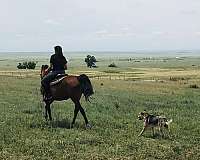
x=99 y=25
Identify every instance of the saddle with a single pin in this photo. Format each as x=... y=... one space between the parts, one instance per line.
x=58 y=79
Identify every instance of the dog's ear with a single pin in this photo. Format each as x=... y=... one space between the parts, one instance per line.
x=142 y=113
x=145 y=113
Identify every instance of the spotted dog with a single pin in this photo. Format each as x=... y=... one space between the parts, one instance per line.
x=152 y=121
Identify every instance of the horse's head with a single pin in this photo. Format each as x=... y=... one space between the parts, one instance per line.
x=43 y=71
x=86 y=86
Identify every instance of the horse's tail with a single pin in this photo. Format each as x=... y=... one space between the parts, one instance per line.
x=86 y=86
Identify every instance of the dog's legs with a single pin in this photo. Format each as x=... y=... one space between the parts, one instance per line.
x=142 y=131
x=152 y=131
x=169 y=133
x=161 y=131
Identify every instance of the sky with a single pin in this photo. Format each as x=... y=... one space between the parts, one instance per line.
x=99 y=25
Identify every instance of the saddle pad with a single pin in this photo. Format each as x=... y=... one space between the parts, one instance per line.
x=57 y=81
x=61 y=75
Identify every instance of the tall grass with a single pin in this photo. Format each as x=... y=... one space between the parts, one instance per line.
x=113 y=113
x=25 y=134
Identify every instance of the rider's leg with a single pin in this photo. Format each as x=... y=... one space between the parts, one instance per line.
x=46 y=84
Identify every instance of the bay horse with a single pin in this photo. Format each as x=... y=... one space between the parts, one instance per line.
x=68 y=87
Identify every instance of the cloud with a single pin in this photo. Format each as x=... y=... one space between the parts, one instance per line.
x=52 y=22
x=20 y=35
x=189 y=12
x=158 y=33
x=197 y=33
x=120 y=33
x=125 y=28
x=101 y=32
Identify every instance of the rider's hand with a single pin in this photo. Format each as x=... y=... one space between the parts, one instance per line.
x=46 y=71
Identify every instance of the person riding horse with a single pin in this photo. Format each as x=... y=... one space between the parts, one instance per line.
x=58 y=65
x=68 y=87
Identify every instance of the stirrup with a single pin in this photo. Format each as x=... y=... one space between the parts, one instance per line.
x=48 y=98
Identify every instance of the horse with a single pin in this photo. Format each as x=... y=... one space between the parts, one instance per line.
x=68 y=87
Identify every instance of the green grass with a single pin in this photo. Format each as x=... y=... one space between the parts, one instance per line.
x=113 y=113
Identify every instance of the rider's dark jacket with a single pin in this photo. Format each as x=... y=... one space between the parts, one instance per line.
x=58 y=62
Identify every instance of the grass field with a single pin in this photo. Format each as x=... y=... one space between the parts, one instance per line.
x=161 y=86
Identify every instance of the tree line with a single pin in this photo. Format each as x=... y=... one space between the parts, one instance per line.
x=90 y=61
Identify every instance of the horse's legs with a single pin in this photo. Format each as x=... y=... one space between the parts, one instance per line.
x=48 y=111
x=76 y=110
x=83 y=114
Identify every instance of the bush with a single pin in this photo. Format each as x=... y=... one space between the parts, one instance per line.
x=90 y=61
x=31 y=65
x=111 y=71
x=27 y=65
x=194 y=86
x=112 y=65
x=21 y=66
x=177 y=78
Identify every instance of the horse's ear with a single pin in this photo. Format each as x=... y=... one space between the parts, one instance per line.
x=46 y=66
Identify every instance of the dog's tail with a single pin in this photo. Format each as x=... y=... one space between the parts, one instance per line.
x=168 y=122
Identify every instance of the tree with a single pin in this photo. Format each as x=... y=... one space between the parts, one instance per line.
x=27 y=65
x=90 y=61
x=21 y=66
x=31 y=65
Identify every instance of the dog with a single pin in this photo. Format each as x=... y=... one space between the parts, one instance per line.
x=153 y=121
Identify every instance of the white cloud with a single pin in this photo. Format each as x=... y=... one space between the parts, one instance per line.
x=125 y=28
x=189 y=12
x=102 y=23
x=197 y=33
x=158 y=33
x=101 y=32
x=20 y=35
x=52 y=22
x=114 y=34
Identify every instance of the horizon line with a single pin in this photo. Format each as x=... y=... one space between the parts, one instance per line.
x=145 y=50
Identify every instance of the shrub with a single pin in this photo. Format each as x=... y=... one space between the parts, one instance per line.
x=31 y=65
x=177 y=78
x=21 y=66
x=27 y=65
x=112 y=65
x=194 y=86
x=111 y=71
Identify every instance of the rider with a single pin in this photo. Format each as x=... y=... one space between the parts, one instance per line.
x=58 y=65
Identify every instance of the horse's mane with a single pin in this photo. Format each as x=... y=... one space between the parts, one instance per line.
x=45 y=66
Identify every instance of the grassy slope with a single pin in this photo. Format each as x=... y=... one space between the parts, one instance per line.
x=113 y=113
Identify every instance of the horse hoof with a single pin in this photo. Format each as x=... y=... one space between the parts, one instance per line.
x=71 y=126
x=88 y=126
x=46 y=118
